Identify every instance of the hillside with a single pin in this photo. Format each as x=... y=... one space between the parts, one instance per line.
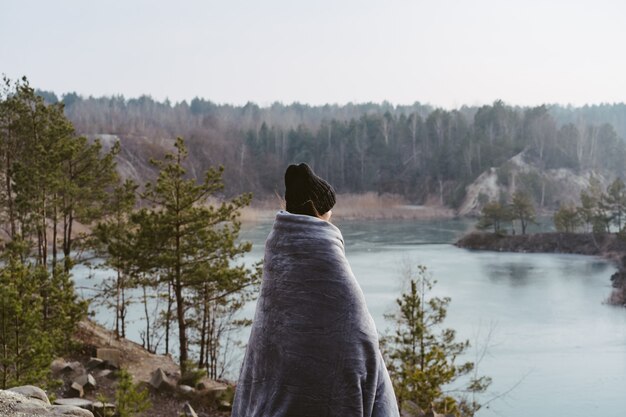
x=548 y=187
x=142 y=365
x=417 y=152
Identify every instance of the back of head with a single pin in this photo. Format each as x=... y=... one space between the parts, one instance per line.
x=306 y=193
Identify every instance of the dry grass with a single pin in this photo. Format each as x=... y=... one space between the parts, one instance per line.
x=357 y=206
x=385 y=206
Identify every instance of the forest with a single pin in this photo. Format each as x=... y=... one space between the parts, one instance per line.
x=63 y=204
x=105 y=182
x=416 y=151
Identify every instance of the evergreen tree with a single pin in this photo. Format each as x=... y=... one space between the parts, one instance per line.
x=423 y=355
x=117 y=234
x=615 y=200
x=567 y=219
x=493 y=214
x=522 y=209
x=197 y=241
x=130 y=399
x=594 y=209
x=26 y=346
x=37 y=145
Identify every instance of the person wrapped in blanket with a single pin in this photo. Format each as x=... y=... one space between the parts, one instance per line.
x=313 y=348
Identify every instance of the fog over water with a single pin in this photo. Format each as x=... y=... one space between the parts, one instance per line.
x=553 y=338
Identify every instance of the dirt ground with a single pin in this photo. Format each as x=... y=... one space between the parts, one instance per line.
x=140 y=364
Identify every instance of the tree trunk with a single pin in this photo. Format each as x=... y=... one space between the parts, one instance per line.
x=145 y=309
x=55 y=222
x=203 y=329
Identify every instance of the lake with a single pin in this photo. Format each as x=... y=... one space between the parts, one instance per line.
x=554 y=343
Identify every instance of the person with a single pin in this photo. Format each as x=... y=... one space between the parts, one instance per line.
x=313 y=349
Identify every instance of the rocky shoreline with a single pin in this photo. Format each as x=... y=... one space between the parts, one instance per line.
x=608 y=246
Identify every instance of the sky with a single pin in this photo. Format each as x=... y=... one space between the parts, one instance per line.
x=442 y=52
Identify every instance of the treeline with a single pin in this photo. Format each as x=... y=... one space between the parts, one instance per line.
x=52 y=180
x=600 y=211
x=62 y=202
x=415 y=151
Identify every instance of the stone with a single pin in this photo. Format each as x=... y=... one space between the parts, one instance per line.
x=68 y=410
x=188 y=411
x=71 y=367
x=106 y=373
x=215 y=391
x=35 y=408
x=75 y=402
x=57 y=365
x=76 y=390
x=102 y=409
x=30 y=391
x=185 y=389
x=95 y=363
x=87 y=381
x=223 y=405
x=160 y=381
x=112 y=357
x=15 y=404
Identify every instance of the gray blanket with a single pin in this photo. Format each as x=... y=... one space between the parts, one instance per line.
x=313 y=349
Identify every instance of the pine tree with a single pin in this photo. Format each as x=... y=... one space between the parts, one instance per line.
x=197 y=241
x=118 y=237
x=130 y=399
x=493 y=215
x=615 y=199
x=567 y=219
x=522 y=209
x=423 y=355
x=26 y=346
x=41 y=163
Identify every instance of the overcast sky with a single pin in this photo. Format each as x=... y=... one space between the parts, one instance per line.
x=443 y=52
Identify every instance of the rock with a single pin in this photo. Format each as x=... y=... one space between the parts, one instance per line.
x=75 y=402
x=223 y=405
x=60 y=366
x=16 y=404
x=215 y=391
x=106 y=373
x=88 y=382
x=112 y=357
x=188 y=411
x=95 y=363
x=32 y=392
x=76 y=390
x=102 y=409
x=68 y=410
x=201 y=386
x=185 y=389
x=160 y=381
x=30 y=409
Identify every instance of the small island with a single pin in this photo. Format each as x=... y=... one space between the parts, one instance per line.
x=595 y=228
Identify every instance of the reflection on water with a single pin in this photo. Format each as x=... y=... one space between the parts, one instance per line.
x=515 y=273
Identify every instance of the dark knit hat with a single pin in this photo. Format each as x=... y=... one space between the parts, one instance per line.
x=303 y=188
